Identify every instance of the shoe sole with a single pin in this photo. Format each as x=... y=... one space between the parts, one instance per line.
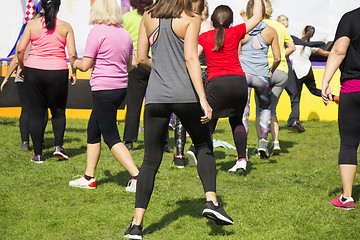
x=240 y=171
x=342 y=208
x=61 y=156
x=128 y=236
x=217 y=217
x=129 y=190
x=36 y=161
x=85 y=187
x=192 y=158
x=276 y=151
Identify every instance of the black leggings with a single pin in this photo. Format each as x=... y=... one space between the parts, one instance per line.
x=24 y=118
x=349 y=127
x=138 y=81
x=46 y=89
x=103 y=116
x=156 y=123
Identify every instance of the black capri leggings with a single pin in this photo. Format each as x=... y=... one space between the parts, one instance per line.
x=46 y=89
x=156 y=123
x=349 y=127
x=103 y=116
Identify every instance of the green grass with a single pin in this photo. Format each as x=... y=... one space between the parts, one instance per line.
x=285 y=197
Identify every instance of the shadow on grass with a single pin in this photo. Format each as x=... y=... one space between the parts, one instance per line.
x=121 y=178
x=355 y=193
x=186 y=207
x=4 y=122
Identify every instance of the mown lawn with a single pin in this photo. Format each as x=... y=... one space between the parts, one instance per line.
x=283 y=197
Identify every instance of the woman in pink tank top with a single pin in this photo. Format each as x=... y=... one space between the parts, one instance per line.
x=45 y=74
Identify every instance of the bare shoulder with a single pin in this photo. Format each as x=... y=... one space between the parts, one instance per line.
x=64 y=25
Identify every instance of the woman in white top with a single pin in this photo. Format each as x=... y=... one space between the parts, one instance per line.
x=302 y=66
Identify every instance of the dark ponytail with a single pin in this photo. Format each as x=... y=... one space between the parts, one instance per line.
x=222 y=18
x=219 y=38
x=308 y=33
x=50 y=9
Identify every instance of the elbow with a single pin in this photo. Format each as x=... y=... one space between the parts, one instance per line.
x=277 y=60
x=190 y=60
x=142 y=60
x=73 y=55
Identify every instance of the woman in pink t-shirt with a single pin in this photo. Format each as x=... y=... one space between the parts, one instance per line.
x=45 y=74
x=110 y=50
x=226 y=91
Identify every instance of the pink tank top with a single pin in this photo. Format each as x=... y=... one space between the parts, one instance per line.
x=47 y=50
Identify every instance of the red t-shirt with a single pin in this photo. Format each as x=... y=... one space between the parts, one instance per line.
x=225 y=61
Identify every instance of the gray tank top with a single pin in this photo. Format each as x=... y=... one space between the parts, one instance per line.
x=254 y=53
x=169 y=80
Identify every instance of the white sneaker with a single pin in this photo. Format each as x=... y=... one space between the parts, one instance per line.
x=276 y=148
x=82 y=182
x=191 y=156
x=131 y=186
x=240 y=166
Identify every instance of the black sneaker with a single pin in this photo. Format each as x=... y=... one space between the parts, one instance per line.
x=297 y=125
x=24 y=146
x=179 y=161
x=129 y=146
x=217 y=213
x=133 y=232
x=60 y=153
x=168 y=149
x=37 y=159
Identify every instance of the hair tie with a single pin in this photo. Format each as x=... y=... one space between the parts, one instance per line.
x=48 y=2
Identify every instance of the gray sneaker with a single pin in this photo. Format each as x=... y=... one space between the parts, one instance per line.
x=263 y=148
x=25 y=146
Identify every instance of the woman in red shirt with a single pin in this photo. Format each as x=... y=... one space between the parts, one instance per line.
x=226 y=91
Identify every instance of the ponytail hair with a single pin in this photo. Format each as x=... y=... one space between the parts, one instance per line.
x=222 y=18
x=50 y=10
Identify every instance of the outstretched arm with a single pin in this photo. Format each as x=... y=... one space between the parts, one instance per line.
x=256 y=18
x=298 y=41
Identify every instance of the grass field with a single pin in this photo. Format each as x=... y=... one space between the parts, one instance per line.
x=284 y=197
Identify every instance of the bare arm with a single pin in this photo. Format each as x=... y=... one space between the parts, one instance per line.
x=290 y=47
x=22 y=45
x=132 y=63
x=275 y=50
x=143 y=45
x=12 y=66
x=322 y=52
x=83 y=65
x=70 y=45
x=256 y=18
x=193 y=64
x=336 y=56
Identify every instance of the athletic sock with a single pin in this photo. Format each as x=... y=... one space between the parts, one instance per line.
x=216 y=204
x=87 y=177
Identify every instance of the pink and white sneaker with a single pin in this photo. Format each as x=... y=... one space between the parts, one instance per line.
x=345 y=205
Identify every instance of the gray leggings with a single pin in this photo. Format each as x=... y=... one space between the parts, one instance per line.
x=277 y=85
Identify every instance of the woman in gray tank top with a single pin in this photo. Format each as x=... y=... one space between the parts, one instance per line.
x=175 y=85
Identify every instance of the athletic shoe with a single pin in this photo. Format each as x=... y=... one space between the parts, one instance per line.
x=83 y=183
x=179 y=161
x=255 y=151
x=348 y=204
x=239 y=167
x=297 y=125
x=129 y=146
x=60 y=153
x=24 y=146
x=276 y=148
x=216 y=213
x=131 y=186
x=168 y=149
x=263 y=148
x=191 y=155
x=134 y=232
x=37 y=159
x=336 y=99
